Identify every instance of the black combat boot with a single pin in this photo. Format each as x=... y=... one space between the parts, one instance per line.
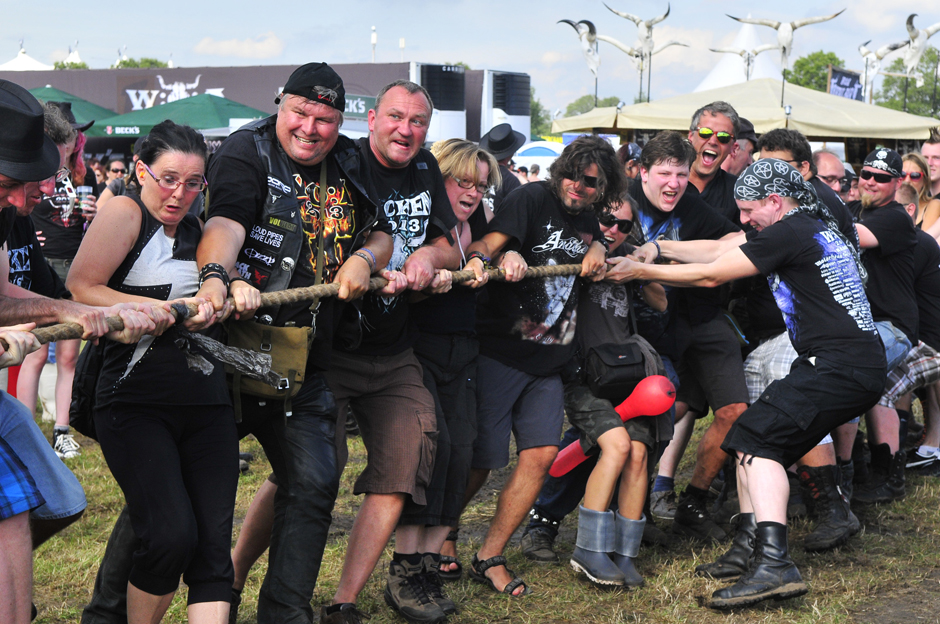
x=735 y=561
x=887 y=477
x=836 y=522
x=772 y=574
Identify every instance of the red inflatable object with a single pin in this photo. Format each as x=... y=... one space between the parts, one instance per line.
x=652 y=396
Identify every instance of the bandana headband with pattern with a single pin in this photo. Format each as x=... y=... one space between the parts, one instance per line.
x=771 y=176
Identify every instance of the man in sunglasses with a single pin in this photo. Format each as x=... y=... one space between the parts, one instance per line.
x=712 y=134
x=888 y=237
x=829 y=169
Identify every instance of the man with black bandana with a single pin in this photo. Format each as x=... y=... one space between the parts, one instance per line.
x=815 y=276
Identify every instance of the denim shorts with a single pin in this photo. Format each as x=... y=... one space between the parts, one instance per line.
x=18 y=492
x=896 y=343
x=59 y=487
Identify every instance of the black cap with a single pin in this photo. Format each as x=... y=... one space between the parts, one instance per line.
x=746 y=131
x=66 y=108
x=26 y=153
x=502 y=141
x=886 y=160
x=316 y=82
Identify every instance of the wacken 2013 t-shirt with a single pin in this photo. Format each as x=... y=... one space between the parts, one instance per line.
x=530 y=325
x=414 y=202
x=816 y=284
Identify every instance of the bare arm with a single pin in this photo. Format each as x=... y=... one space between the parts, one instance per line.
x=866 y=239
x=931 y=214
x=692 y=251
x=655 y=296
x=422 y=264
x=353 y=277
x=731 y=266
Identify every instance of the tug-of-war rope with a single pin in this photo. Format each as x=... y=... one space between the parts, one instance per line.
x=258 y=365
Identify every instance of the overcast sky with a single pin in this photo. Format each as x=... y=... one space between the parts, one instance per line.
x=485 y=34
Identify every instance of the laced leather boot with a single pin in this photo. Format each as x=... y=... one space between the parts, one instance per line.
x=836 y=522
x=772 y=574
x=887 y=477
x=735 y=561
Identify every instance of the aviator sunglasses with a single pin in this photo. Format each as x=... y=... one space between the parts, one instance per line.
x=880 y=178
x=723 y=137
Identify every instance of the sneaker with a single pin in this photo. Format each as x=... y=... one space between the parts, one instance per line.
x=692 y=520
x=65 y=445
x=406 y=594
x=347 y=614
x=538 y=546
x=663 y=504
x=916 y=460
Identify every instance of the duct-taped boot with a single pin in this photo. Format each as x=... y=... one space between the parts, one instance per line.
x=833 y=526
x=878 y=489
x=596 y=538
x=735 y=561
x=627 y=547
x=772 y=573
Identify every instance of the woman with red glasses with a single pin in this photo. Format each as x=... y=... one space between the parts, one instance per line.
x=917 y=175
x=167 y=431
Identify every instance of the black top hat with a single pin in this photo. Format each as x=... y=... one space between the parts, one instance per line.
x=26 y=153
x=502 y=141
x=66 y=108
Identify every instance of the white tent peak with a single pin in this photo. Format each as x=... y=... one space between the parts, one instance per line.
x=730 y=68
x=24 y=62
x=73 y=56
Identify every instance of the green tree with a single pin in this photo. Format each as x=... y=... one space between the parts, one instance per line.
x=812 y=71
x=64 y=65
x=540 y=119
x=923 y=100
x=585 y=103
x=143 y=63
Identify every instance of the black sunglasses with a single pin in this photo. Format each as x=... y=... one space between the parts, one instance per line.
x=589 y=181
x=609 y=220
x=880 y=178
x=723 y=137
x=118 y=170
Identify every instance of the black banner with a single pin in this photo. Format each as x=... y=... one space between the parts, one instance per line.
x=845 y=83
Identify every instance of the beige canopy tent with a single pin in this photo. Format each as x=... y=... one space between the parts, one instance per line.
x=813 y=113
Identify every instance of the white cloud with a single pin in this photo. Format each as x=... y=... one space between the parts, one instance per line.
x=267 y=45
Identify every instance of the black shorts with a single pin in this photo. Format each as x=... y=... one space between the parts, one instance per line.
x=711 y=370
x=796 y=412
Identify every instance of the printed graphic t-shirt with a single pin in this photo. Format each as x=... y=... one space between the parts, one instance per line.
x=530 y=325
x=61 y=222
x=414 y=202
x=816 y=284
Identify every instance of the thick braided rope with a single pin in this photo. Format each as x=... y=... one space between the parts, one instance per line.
x=71 y=331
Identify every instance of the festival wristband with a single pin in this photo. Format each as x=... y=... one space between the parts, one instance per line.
x=371 y=263
x=238 y=278
x=659 y=252
x=368 y=251
x=478 y=255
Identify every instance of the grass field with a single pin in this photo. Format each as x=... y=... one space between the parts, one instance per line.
x=888 y=574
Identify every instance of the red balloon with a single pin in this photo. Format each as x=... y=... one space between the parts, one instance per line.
x=652 y=396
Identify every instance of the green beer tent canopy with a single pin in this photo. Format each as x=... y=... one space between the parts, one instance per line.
x=203 y=112
x=83 y=110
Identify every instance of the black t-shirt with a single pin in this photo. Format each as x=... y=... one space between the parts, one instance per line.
x=238 y=187
x=927 y=288
x=890 y=267
x=495 y=197
x=828 y=197
x=7 y=218
x=817 y=287
x=414 y=202
x=60 y=220
x=28 y=267
x=604 y=310
x=691 y=219
x=719 y=194
x=453 y=312
x=530 y=325
x=763 y=316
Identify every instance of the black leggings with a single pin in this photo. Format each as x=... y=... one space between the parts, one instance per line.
x=178 y=468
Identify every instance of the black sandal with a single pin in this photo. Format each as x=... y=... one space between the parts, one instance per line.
x=457 y=573
x=478 y=573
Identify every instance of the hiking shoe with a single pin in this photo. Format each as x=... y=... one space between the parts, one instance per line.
x=434 y=584
x=406 y=594
x=65 y=445
x=538 y=546
x=663 y=505
x=692 y=520
x=347 y=614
